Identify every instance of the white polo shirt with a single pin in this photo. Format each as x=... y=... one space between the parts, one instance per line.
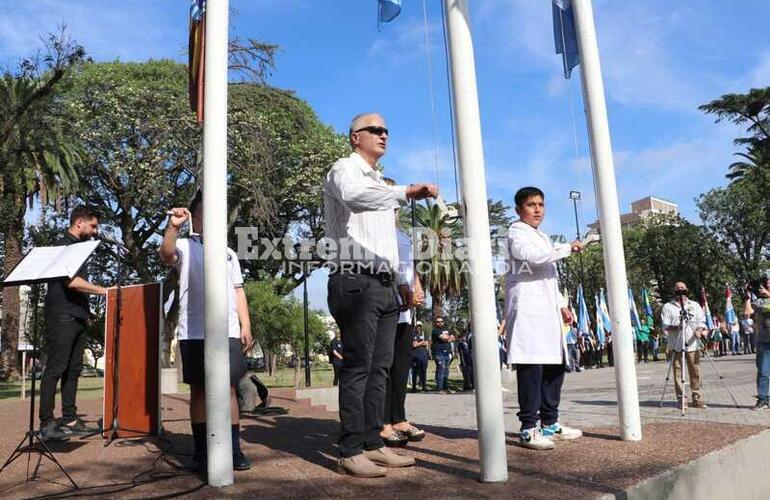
x=190 y=266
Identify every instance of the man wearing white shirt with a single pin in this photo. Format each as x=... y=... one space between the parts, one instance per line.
x=535 y=313
x=684 y=338
x=363 y=259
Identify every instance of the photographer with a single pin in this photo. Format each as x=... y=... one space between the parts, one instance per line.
x=685 y=338
x=759 y=305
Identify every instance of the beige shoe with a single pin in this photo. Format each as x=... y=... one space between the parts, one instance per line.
x=388 y=458
x=360 y=466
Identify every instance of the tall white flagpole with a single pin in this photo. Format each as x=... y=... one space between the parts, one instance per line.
x=218 y=435
x=470 y=154
x=609 y=218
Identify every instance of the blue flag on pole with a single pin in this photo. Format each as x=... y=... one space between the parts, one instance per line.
x=388 y=10
x=605 y=313
x=635 y=321
x=565 y=36
x=582 y=312
x=599 y=323
x=730 y=317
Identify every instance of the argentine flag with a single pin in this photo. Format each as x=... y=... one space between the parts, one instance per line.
x=599 y=328
x=730 y=317
x=388 y=10
x=635 y=321
x=564 y=35
x=582 y=312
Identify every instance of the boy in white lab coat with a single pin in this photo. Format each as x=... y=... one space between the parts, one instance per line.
x=535 y=312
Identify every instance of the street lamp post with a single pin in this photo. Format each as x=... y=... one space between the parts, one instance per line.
x=305 y=275
x=575 y=196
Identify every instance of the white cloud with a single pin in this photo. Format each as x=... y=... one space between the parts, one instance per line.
x=404 y=42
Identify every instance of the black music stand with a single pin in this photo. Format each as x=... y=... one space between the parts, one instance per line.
x=42 y=265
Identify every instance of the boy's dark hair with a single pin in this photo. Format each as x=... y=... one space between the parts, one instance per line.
x=525 y=193
x=196 y=202
x=82 y=212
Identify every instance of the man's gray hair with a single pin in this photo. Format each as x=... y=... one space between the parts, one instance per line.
x=357 y=121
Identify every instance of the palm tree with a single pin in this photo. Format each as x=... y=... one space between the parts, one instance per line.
x=441 y=271
x=756 y=158
x=37 y=162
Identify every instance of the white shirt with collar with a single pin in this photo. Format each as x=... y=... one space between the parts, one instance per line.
x=670 y=317
x=359 y=209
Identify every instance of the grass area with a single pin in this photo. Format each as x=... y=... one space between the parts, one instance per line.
x=320 y=376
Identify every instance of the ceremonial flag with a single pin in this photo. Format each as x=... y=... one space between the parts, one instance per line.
x=604 y=312
x=599 y=328
x=706 y=311
x=647 y=306
x=195 y=56
x=582 y=312
x=564 y=35
x=388 y=10
x=634 y=313
x=730 y=317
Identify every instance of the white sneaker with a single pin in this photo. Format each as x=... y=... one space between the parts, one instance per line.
x=561 y=432
x=534 y=439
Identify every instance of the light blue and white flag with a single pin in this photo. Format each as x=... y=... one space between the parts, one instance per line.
x=600 y=337
x=582 y=312
x=635 y=321
x=605 y=313
x=730 y=317
x=564 y=35
x=388 y=10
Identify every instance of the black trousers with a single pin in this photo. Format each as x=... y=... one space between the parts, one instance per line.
x=366 y=310
x=642 y=350
x=337 y=367
x=539 y=388
x=65 y=342
x=419 y=370
x=467 y=371
x=395 y=389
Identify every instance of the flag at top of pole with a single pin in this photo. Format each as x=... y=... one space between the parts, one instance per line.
x=582 y=312
x=387 y=10
x=706 y=311
x=635 y=321
x=564 y=35
x=730 y=317
x=195 y=56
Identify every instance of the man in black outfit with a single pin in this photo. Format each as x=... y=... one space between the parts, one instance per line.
x=420 y=346
x=336 y=356
x=66 y=313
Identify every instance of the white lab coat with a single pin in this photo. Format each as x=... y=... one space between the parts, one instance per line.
x=532 y=298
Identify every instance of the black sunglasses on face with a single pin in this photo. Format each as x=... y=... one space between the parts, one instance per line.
x=378 y=131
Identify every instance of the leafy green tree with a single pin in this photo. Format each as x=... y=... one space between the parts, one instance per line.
x=38 y=158
x=738 y=219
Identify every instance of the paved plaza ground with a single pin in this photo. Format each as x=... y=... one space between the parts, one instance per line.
x=294 y=454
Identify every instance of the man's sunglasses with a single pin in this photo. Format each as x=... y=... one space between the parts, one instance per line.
x=378 y=131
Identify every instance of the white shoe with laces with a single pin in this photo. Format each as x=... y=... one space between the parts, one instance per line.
x=533 y=438
x=561 y=432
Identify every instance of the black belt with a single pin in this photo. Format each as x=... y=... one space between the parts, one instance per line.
x=384 y=277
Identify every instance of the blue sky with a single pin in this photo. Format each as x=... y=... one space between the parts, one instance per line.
x=660 y=60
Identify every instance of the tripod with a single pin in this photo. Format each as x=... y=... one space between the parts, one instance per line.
x=34 y=442
x=684 y=319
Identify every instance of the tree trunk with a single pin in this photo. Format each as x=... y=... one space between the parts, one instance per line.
x=438 y=305
x=273 y=364
x=9 y=362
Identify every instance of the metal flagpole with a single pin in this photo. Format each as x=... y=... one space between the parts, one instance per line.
x=489 y=397
x=219 y=442
x=609 y=217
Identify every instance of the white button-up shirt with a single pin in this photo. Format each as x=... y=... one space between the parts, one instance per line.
x=670 y=317
x=359 y=211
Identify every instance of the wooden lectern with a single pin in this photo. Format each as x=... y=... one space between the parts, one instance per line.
x=137 y=360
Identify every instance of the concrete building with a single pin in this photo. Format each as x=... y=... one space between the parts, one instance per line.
x=641 y=209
